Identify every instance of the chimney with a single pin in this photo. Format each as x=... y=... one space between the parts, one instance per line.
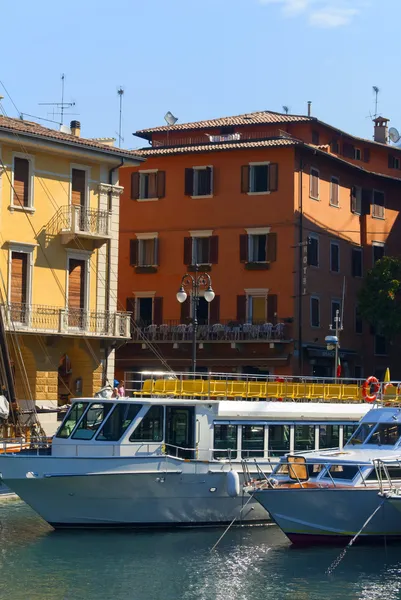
x=75 y=127
x=309 y=108
x=381 y=130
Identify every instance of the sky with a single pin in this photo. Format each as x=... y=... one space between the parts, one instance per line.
x=201 y=59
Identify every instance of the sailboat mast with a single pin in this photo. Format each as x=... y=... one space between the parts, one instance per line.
x=6 y=364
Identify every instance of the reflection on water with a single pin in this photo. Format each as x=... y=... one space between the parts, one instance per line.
x=257 y=563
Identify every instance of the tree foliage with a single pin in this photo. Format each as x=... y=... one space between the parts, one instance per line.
x=380 y=297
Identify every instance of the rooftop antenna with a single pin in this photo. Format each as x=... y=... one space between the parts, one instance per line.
x=286 y=109
x=120 y=93
x=61 y=105
x=376 y=92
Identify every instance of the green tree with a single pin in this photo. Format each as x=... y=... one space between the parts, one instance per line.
x=380 y=297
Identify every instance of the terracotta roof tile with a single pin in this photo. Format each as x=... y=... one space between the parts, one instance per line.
x=19 y=126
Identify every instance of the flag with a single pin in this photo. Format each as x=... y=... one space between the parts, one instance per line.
x=338 y=368
x=387 y=376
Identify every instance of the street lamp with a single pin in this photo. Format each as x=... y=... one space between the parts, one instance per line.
x=193 y=285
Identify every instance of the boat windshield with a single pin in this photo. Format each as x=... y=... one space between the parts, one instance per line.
x=341 y=472
x=91 y=421
x=362 y=433
x=385 y=434
x=71 y=419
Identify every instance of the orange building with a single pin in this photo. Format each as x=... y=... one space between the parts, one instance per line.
x=285 y=213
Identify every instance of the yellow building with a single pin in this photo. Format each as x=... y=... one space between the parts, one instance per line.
x=59 y=233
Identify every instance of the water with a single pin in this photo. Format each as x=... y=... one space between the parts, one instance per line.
x=37 y=563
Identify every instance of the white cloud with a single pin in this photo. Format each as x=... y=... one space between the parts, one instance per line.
x=320 y=13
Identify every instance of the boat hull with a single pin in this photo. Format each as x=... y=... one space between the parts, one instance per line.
x=318 y=515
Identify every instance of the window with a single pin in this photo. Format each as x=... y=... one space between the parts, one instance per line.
x=279 y=440
x=334 y=257
x=334 y=147
x=225 y=441
x=150 y=429
x=22 y=193
x=78 y=187
x=199 y=181
x=380 y=345
x=202 y=248
x=335 y=191
x=356 y=262
x=304 y=437
x=315 y=137
x=393 y=162
x=378 y=205
x=358 y=321
x=329 y=436
x=259 y=178
x=315 y=311
x=357 y=154
x=356 y=200
x=144 y=310
x=200 y=251
x=257 y=309
x=378 y=251
x=360 y=435
x=314 y=184
x=258 y=247
x=147 y=252
x=313 y=251
x=385 y=434
x=148 y=185
x=71 y=419
x=335 y=306
x=253 y=441
x=118 y=422
x=91 y=421
x=341 y=472
x=19 y=286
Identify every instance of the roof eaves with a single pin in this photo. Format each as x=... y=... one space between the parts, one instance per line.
x=360 y=139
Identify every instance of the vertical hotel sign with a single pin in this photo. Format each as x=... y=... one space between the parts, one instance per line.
x=304 y=266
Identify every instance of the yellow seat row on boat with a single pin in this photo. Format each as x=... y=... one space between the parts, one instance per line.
x=286 y=390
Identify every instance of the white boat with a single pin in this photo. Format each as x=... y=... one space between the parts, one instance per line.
x=324 y=496
x=169 y=460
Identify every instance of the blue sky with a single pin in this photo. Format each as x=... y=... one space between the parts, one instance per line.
x=203 y=59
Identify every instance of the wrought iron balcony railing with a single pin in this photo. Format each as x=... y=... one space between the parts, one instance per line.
x=38 y=318
x=75 y=220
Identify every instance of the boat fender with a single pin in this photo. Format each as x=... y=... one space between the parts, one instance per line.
x=233 y=486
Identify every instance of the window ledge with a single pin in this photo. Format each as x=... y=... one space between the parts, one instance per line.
x=257 y=266
x=314 y=198
x=334 y=205
x=27 y=209
x=203 y=196
x=147 y=269
x=266 y=193
x=380 y=218
x=201 y=267
x=147 y=199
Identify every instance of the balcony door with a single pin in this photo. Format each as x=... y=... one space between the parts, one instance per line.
x=78 y=195
x=76 y=292
x=19 y=287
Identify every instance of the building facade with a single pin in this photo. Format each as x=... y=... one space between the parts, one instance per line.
x=59 y=211
x=285 y=213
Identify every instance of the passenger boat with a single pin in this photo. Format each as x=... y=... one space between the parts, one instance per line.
x=172 y=454
x=325 y=496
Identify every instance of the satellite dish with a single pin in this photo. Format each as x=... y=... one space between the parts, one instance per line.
x=394 y=135
x=170 y=118
x=65 y=129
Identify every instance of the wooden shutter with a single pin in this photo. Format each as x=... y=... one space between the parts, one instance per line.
x=156 y=251
x=272 y=308
x=334 y=191
x=19 y=273
x=78 y=187
x=243 y=247
x=271 y=254
x=185 y=307
x=187 y=251
x=348 y=150
x=366 y=154
x=158 y=310
x=366 y=201
x=334 y=146
x=161 y=184
x=390 y=161
x=214 y=249
x=189 y=182
x=133 y=253
x=273 y=177
x=214 y=313
x=245 y=179
x=241 y=308
x=209 y=172
x=353 y=199
x=135 y=185
x=21 y=181
x=76 y=283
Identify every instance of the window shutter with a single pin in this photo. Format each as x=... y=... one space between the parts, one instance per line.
x=241 y=308
x=243 y=247
x=390 y=161
x=185 y=306
x=271 y=247
x=209 y=172
x=133 y=253
x=135 y=186
x=366 y=154
x=156 y=251
x=272 y=308
x=348 y=150
x=273 y=177
x=187 y=251
x=366 y=201
x=21 y=181
x=334 y=146
x=158 y=310
x=353 y=199
x=214 y=313
x=189 y=182
x=214 y=250
x=245 y=179
x=161 y=184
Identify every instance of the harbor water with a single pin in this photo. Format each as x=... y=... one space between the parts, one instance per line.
x=258 y=563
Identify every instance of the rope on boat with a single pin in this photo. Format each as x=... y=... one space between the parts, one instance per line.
x=232 y=523
x=339 y=558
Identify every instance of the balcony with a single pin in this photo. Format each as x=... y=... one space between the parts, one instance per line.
x=51 y=320
x=77 y=221
x=206 y=139
x=223 y=332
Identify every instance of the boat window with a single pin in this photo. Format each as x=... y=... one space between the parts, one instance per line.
x=279 y=440
x=118 y=422
x=71 y=419
x=361 y=433
x=349 y=430
x=329 y=436
x=150 y=429
x=304 y=437
x=385 y=434
x=225 y=441
x=253 y=441
x=91 y=421
x=394 y=473
x=341 y=472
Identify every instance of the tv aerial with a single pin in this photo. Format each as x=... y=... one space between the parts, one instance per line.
x=394 y=135
x=170 y=118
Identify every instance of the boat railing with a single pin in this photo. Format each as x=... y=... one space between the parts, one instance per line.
x=387 y=470
x=17 y=445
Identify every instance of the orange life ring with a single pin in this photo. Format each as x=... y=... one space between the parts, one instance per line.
x=366 y=389
x=280 y=380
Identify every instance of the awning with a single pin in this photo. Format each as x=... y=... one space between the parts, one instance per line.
x=322 y=352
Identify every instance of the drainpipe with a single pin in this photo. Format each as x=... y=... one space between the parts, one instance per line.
x=300 y=268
